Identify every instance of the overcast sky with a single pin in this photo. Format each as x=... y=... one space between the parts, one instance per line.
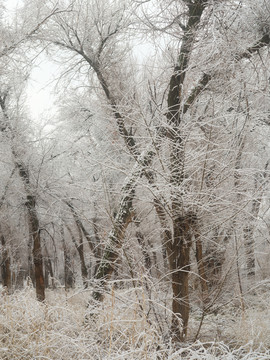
x=40 y=87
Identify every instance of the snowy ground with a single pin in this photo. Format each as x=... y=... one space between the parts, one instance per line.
x=65 y=328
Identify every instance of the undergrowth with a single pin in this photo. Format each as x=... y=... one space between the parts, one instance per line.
x=68 y=327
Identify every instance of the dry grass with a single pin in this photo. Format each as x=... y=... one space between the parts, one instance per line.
x=65 y=328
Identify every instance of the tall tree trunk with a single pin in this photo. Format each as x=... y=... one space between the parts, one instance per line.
x=180 y=244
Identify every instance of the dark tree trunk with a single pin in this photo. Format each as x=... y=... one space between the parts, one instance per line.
x=68 y=273
x=145 y=250
x=79 y=247
x=69 y=276
x=201 y=268
x=20 y=276
x=249 y=248
x=46 y=274
x=31 y=272
x=37 y=251
x=49 y=273
x=5 y=265
x=180 y=266
x=178 y=247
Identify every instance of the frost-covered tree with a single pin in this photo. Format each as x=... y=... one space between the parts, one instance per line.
x=16 y=135
x=186 y=123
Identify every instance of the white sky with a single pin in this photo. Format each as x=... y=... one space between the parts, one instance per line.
x=40 y=87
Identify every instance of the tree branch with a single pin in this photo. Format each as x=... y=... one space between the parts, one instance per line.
x=264 y=41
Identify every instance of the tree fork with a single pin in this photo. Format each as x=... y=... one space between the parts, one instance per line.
x=121 y=221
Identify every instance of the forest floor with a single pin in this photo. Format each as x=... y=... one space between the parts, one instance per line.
x=68 y=327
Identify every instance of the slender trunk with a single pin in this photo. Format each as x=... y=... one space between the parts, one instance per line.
x=69 y=277
x=99 y=247
x=81 y=228
x=34 y=230
x=49 y=269
x=249 y=230
x=144 y=249
x=79 y=247
x=249 y=247
x=214 y=255
x=68 y=273
x=201 y=268
x=31 y=273
x=5 y=265
x=20 y=276
x=46 y=273
x=166 y=234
